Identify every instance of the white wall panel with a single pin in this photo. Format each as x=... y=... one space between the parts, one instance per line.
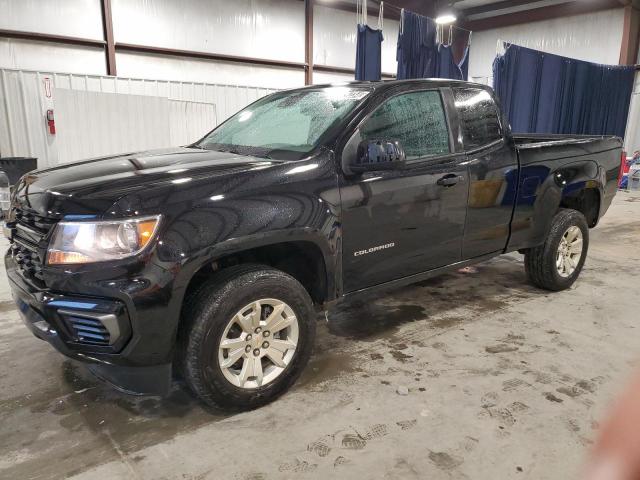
x=14 y=123
x=94 y=124
x=334 y=38
x=632 y=135
x=190 y=121
x=595 y=37
x=28 y=55
x=188 y=69
x=326 y=77
x=25 y=96
x=73 y=18
x=271 y=29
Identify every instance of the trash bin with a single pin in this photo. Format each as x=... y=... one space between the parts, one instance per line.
x=16 y=167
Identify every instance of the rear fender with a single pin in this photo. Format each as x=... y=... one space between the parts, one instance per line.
x=542 y=192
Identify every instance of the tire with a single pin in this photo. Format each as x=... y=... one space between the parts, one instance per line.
x=211 y=316
x=543 y=264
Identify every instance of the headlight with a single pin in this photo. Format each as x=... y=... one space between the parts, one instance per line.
x=87 y=242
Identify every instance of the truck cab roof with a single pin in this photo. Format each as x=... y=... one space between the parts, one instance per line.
x=384 y=84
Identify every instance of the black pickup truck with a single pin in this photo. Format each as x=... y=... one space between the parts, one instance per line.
x=212 y=260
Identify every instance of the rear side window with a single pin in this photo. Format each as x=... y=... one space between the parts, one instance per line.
x=479 y=117
x=416 y=119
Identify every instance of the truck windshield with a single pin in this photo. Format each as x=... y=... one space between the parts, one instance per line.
x=286 y=125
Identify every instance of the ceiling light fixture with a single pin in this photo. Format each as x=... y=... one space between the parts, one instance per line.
x=445 y=19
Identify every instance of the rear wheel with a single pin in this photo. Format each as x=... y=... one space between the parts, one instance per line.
x=556 y=264
x=249 y=334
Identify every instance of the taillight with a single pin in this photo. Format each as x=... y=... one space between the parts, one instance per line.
x=623 y=163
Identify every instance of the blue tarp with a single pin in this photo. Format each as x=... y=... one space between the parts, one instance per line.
x=417 y=52
x=368 y=53
x=546 y=93
x=464 y=64
x=420 y=56
x=446 y=66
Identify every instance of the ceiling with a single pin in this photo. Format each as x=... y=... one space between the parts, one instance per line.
x=490 y=12
x=484 y=14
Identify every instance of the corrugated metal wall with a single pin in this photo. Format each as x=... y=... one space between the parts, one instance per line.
x=25 y=97
x=95 y=124
x=632 y=136
x=187 y=119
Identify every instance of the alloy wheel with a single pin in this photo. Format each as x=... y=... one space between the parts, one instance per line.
x=258 y=343
x=569 y=251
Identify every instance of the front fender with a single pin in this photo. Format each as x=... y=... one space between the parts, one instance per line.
x=233 y=246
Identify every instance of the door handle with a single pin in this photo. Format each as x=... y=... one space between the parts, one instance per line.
x=449 y=180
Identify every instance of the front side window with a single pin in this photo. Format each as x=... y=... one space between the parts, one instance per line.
x=286 y=125
x=479 y=117
x=416 y=119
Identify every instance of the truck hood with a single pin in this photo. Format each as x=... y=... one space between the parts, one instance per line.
x=92 y=186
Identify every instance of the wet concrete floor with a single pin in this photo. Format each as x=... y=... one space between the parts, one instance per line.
x=504 y=381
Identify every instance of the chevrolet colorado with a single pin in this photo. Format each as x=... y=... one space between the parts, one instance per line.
x=211 y=259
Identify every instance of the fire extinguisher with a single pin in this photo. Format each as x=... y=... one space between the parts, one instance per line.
x=51 y=123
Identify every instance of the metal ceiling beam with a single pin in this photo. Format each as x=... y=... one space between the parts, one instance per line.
x=542 y=13
x=422 y=7
x=428 y=8
x=492 y=7
x=351 y=7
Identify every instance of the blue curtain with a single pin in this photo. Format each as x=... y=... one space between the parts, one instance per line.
x=420 y=56
x=368 y=53
x=417 y=53
x=545 y=93
x=446 y=66
x=464 y=64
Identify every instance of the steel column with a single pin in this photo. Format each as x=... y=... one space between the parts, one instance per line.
x=107 y=27
x=308 y=42
x=630 y=36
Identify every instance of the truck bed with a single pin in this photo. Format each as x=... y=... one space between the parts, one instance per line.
x=571 y=162
x=534 y=148
x=537 y=140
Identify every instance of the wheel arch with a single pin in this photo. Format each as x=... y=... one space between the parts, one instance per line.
x=305 y=255
x=576 y=185
x=585 y=200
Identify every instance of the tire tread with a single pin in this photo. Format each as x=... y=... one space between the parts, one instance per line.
x=199 y=310
x=539 y=261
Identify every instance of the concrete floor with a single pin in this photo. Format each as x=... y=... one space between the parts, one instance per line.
x=504 y=380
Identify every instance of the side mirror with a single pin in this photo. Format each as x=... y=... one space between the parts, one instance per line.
x=378 y=155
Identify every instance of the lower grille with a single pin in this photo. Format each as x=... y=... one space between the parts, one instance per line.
x=91 y=328
x=87 y=330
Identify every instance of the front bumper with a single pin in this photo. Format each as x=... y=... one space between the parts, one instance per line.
x=94 y=330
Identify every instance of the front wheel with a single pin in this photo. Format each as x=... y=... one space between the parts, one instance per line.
x=556 y=264
x=249 y=334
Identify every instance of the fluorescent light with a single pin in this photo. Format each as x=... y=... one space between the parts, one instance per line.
x=444 y=19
